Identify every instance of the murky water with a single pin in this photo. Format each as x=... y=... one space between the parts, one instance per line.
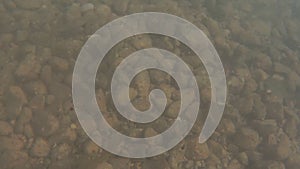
x=258 y=42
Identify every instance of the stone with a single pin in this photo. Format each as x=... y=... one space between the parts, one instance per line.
x=59 y=63
x=11 y=143
x=141 y=103
x=291 y=128
x=280 y=150
x=235 y=164
x=91 y=148
x=173 y=109
x=243 y=158
x=36 y=88
x=29 y=4
x=61 y=151
x=150 y=132
x=246 y=139
x=40 y=148
x=196 y=151
x=266 y=127
x=5 y=128
x=44 y=124
x=293 y=162
x=155 y=163
x=87 y=7
x=104 y=165
x=37 y=102
x=245 y=104
x=142 y=83
x=259 y=109
x=14 y=101
x=120 y=6
x=227 y=127
x=275 y=111
x=29 y=68
x=13 y=159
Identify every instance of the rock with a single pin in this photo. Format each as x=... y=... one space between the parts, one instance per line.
x=245 y=104
x=61 y=151
x=29 y=4
x=5 y=128
x=36 y=88
x=104 y=165
x=243 y=158
x=150 y=132
x=173 y=109
x=37 y=102
x=269 y=164
x=87 y=7
x=250 y=86
x=281 y=150
x=155 y=163
x=263 y=61
x=235 y=84
x=260 y=75
x=247 y=139
x=24 y=117
x=59 y=64
x=293 y=162
x=13 y=159
x=217 y=148
x=254 y=156
x=44 y=124
x=103 y=10
x=291 y=128
x=280 y=68
x=142 y=83
x=141 y=42
x=227 y=127
x=120 y=6
x=101 y=100
x=40 y=148
x=14 y=101
x=29 y=68
x=266 y=127
x=141 y=103
x=91 y=148
x=21 y=35
x=196 y=151
x=235 y=164
x=158 y=77
x=275 y=111
x=259 y=109
x=11 y=143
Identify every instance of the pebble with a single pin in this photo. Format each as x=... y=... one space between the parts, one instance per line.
x=13 y=159
x=173 y=109
x=104 y=165
x=293 y=162
x=61 y=151
x=15 y=99
x=266 y=127
x=5 y=128
x=40 y=148
x=11 y=143
x=247 y=139
x=142 y=83
x=29 y=4
x=91 y=148
x=87 y=7
x=29 y=68
x=44 y=124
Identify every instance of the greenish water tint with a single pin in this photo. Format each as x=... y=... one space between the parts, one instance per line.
x=258 y=42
